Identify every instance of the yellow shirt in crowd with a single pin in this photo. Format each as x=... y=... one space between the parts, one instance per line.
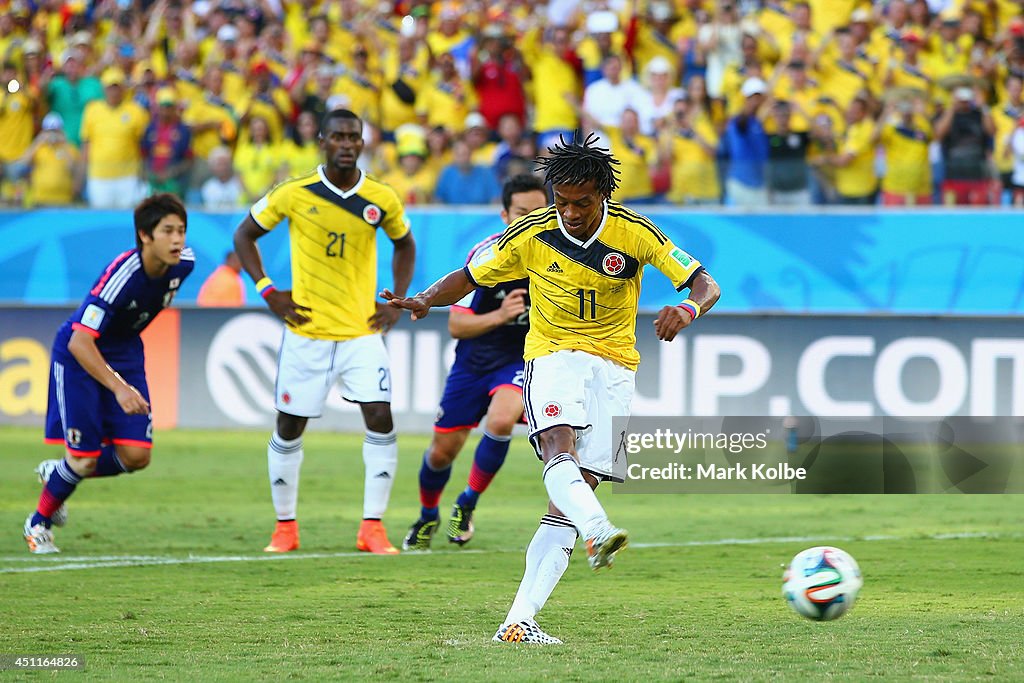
x=113 y=134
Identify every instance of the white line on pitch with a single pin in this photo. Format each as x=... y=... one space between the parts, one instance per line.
x=57 y=563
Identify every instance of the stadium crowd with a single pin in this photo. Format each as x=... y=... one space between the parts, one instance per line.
x=737 y=101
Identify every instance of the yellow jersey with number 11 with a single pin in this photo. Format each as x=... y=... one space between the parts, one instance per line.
x=584 y=295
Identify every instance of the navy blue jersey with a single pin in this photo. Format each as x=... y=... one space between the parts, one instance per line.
x=120 y=305
x=502 y=345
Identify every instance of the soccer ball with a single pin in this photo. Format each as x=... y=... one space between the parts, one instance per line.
x=821 y=583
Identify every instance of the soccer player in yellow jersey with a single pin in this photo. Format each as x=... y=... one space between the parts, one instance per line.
x=584 y=257
x=333 y=324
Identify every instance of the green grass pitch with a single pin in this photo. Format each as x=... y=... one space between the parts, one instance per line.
x=162 y=577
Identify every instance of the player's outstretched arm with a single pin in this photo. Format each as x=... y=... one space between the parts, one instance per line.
x=704 y=293
x=445 y=292
x=278 y=301
x=83 y=347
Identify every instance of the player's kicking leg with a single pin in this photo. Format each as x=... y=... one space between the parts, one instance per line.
x=547 y=558
x=503 y=413
x=434 y=473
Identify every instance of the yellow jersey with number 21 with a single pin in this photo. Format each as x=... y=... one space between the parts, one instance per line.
x=333 y=237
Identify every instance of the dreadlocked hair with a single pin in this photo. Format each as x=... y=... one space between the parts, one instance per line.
x=575 y=163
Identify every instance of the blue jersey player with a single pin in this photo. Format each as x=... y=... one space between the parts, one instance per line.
x=486 y=378
x=98 y=399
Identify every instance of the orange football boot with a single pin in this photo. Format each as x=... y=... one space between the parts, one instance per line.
x=373 y=538
x=285 y=538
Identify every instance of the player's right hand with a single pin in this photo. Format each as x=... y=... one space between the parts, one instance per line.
x=514 y=304
x=131 y=401
x=415 y=304
x=282 y=305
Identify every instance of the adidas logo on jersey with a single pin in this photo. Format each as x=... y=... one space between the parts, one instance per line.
x=279 y=482
x=312 y=209
x=553 y=268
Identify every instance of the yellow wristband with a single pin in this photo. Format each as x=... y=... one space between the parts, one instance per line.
x=263 y=283
x=691 y=304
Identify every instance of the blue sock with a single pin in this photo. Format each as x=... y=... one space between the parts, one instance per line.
x=108 y=464
x=59 y=488
x=432 y=483
x=488 y=459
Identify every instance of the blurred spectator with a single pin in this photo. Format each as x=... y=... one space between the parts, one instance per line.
x=55 y=176
x=606 y=99
x=746 y=147
x=510 y=134
x=267 y=101
x=362 y=86
x=212 y=121
x=447 y=98
x=656 y=108
x=720 y=41
x=478 y=136
x=820 y=153
x=557 y=81
x=257 y=161
x=637 y=155
x=1016 y=146
x=965 y=130
x=451 y=37
x=70 y=91
x=793 y=84
x=603 y=40
x=905 y=137
x=224 y=288
x=313 y=88
x=463 y=182
x=167 y=147
x=788 y=176
x=690 y=143
x=654 y=34
x=36 y=71
x=413 y=180
x=497 y=76
x=112 y=130
x=1005 y=117
x=17 y=121
x=405 y=72
x=439 y=148
x=846 y=74
x=854 y=160
x=223 y=189
x=909 y=72
x=301 y=153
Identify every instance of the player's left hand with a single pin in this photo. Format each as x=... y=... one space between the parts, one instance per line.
x=670 y=320
x=385 y=318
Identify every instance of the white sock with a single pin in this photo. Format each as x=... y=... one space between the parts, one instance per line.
x=571 y=494
x=284 y=458
x=547 y=558
x=380 y=456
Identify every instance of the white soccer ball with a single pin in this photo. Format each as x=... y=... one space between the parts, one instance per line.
x=822 y=583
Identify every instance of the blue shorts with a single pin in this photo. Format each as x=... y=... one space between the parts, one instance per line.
x=467 y=395
x=84 y=415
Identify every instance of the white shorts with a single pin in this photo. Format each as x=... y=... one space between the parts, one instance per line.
x=582 y=391
x=308 y=368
